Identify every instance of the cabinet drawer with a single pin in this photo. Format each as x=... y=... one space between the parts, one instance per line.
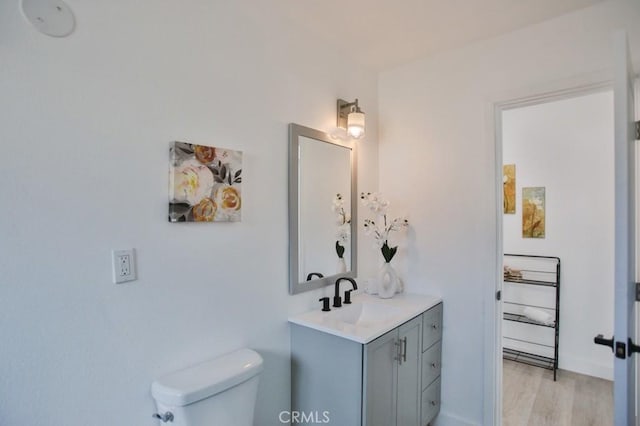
x=430 y=402
x=431 y=326
x=431 y=363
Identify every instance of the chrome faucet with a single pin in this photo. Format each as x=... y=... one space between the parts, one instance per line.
x=337 y=301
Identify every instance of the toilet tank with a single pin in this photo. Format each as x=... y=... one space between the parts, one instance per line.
x=221 y=391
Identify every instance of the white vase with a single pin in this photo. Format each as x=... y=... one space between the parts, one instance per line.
x=370 y=285
x=341 y=267
x=389 y=282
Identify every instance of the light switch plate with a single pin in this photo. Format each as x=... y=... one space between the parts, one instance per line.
x=124 y=265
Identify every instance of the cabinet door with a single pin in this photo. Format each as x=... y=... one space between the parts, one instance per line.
x=380 y=389
x=409 y=376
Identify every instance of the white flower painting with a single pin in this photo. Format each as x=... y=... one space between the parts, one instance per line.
x=204 y=184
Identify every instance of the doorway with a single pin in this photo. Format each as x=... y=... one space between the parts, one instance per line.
x=560 y=204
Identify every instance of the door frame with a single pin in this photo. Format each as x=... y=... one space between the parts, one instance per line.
x=554 y=91
x=636 y=87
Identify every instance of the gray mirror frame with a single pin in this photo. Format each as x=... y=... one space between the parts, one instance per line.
x=295 y=132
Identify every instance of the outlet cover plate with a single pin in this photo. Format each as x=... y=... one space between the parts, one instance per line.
x=123 y=265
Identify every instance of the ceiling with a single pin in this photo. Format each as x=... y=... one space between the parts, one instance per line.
x=385 y=33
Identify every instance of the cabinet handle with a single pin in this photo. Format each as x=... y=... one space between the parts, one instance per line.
x=434 y=326
x=434 y=403
x=398 y=357
x=434 y=365
x=404 y=349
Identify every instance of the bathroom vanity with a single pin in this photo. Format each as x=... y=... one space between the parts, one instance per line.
x=375 y=362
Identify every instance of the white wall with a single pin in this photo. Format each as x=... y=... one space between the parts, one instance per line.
x=437 y=162
x=85 y=127
x=567 y=147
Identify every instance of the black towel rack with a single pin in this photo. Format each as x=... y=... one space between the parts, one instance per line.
x=527 y=271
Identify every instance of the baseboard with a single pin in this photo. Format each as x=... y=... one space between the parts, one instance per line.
x=448 y=419
x=588 y=368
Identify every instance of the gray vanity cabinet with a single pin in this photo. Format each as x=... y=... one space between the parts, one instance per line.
x=386 y=382
x=392 y=364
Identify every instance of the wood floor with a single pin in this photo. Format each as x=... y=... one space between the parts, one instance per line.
x=532 y=398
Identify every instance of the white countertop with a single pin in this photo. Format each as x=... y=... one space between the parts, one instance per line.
x=368 y=317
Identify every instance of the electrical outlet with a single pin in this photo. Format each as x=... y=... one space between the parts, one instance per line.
x=124 y=265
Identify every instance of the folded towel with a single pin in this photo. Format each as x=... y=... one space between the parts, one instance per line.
x=538 y=315
x=512 y=274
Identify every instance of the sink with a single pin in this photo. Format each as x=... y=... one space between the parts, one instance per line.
x=368 y=317
x=365 y=314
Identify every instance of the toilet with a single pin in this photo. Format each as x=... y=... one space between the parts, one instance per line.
x=221 y=391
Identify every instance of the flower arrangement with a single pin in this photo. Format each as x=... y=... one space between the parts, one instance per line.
x=344 y=224
x=381 y=229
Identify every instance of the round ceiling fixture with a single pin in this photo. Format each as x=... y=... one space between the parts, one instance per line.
x=51 y=17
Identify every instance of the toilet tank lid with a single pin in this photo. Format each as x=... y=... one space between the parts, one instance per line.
x=206 y=379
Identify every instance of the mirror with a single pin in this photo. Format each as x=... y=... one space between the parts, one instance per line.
x=320 y=168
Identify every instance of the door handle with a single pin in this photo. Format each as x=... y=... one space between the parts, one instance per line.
x=600 y=340
x=404 y=349
x=632 y=348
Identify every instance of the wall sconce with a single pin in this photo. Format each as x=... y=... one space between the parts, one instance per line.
x=351 y=118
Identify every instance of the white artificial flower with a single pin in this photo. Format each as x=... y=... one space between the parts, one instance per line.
x=343 y=234
x=382 y=229
x=338 y=207
x=343 y=220
x=374 y=202
x=369 y=226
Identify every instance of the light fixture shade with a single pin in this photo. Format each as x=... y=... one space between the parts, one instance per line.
x=355 y=124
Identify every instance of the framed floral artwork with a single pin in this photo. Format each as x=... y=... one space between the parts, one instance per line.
x=509 y=188
x=205 y=183
x=533 y=212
